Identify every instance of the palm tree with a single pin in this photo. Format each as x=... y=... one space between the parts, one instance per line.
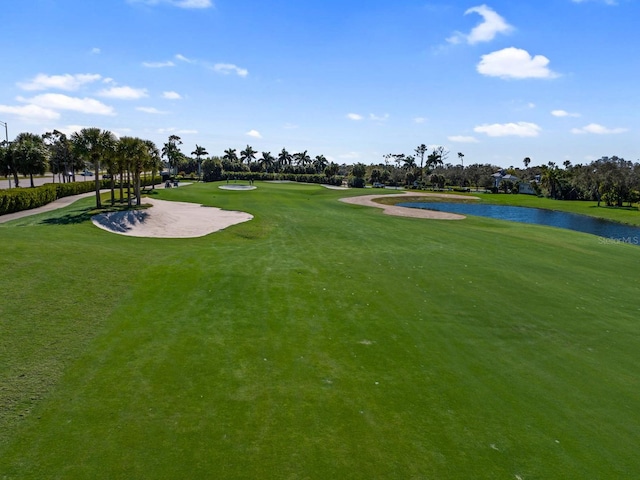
x=302 y=159
x=92 y=144
x=320 y=163
x=461 y=158
x=421 y=150
x=172 y=153
x=30 y=154
x=267 y=161
x=284 y=159
x=155 y=161
x=7 y=162
x=199 y=152
x=61 y=159
x=247 y=155
x=434 y=159
x=409 y=162
x=230 y=155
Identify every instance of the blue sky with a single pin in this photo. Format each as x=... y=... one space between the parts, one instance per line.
x=553 y=80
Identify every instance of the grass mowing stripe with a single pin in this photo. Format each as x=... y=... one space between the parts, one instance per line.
x=328 y=340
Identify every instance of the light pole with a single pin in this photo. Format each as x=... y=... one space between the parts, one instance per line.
x=6 y=136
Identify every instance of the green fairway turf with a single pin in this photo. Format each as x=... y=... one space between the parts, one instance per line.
x=319 y=340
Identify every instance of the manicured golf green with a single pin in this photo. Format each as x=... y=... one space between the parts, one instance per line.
x=319 y=340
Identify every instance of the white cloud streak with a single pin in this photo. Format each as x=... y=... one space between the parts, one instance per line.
x=227 y=68
x=492 y=24
x=170 y=95
x=182 y=58
x=597 y=129
x=124 y=93
x=606 y=2
x=151 y=110
x=168 y=63
x=514 y=63
x=563 y=113
x=58 y=101
x=65 y=82
x=254 y=134
x=30 y=113
x=189 y=4
x=354 y=116
x=379 y=118
x=519 y=129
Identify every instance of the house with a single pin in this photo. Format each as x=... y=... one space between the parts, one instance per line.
x=523 y=187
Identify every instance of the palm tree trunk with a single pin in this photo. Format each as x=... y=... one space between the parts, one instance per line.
x=129 y=188
x=96 y=169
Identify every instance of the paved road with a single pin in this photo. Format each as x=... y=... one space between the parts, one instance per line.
x=61 y=202
x=25 y=182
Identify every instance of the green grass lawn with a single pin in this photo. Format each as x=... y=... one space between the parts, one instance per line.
x=319 y=340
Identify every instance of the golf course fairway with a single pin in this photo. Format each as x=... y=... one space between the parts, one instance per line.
x=318 y=340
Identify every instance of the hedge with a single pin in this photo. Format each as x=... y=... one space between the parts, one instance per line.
x=262 y=176
x=19 y=199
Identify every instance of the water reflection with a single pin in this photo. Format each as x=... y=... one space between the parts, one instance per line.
x=581 y=223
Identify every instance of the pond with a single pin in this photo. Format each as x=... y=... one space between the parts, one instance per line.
x=614 y=232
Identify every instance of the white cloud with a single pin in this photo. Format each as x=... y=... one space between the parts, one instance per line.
x=563 y=113
x=124 y=93
x=30 y=113
x=462 y=139
x=71 y=129
x=520 y=129
x=227 y=68
x=350 y=156
x=175 y=131
x=419 y=120
x=290 y=126
x=598 y=130
x=66 y=82
x=354 y=116
x=96 y=51
x=254 y=134
x=193 y=3
x=168 y=63
x=606 y=2
x=58 y=101
x=151 y=110
x=492 y=24
x=182 y=58
x=514 y=63
x=379 y=118
x=177 y=3
x=170 y=95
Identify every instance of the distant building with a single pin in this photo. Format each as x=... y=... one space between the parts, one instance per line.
x=523 y=187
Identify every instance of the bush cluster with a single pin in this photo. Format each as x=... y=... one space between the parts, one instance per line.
x=19 y=199
x=213 y=173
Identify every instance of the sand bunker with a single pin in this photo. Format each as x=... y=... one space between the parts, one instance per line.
x=169 y=220
x=367 y=200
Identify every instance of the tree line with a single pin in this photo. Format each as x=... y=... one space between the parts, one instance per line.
x=125 y=158
x=612 y=180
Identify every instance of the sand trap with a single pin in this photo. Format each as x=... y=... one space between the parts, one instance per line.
x=237 y=187
x=169 y=220
x=367 y=200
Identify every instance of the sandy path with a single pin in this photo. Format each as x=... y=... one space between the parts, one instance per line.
x=169 y=220
x=367 y=200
